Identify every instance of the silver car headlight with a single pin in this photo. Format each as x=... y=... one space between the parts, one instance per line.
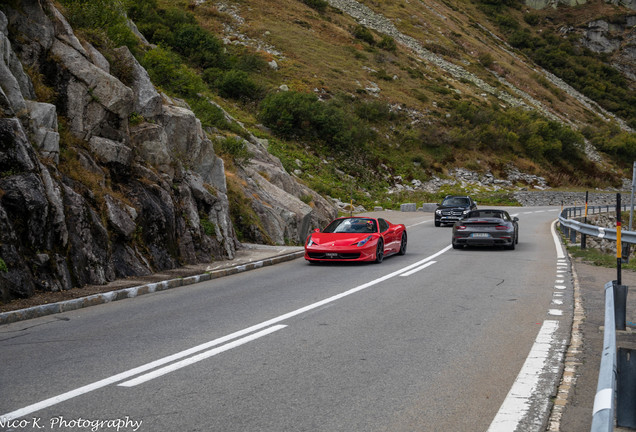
x=310 y=241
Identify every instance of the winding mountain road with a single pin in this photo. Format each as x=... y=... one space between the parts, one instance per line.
x=435 y=340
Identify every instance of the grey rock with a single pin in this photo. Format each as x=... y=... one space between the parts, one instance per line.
x=150 y=141
x=42 y=121
x=111 y=152
x=147 y=100
x=120 y=217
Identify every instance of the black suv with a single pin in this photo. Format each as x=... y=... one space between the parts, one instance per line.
x=453 y=208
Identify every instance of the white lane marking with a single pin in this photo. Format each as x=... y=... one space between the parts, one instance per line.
x=517 y=402
x=144 y=368
x=197 y=358
x=419 y=223
x=415 y=270
x=557 y=242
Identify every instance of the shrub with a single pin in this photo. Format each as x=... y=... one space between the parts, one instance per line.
x=364 y=34
x=319 y=5
x=198 y=45
x=101 y=20
x=236 y=148
x=3 y=266
x=373 y=111
x=166 y=70
x=387 y=43
x=236 y=84
x=302 y=115
x=209 y=114
x=532 y=19
x=290 y=114
x=208 y=227
x=486 y=60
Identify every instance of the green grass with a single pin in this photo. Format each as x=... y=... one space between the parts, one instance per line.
x=598 y=258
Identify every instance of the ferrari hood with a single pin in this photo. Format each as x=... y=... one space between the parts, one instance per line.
x=338 y=239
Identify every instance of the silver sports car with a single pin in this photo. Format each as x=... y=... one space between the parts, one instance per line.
x=486 y=227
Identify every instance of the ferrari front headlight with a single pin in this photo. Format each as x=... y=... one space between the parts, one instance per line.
x=363 y=242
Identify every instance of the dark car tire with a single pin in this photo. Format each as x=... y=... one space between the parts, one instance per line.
x=402 y=250
x=457 y=246
x=437 y=223
x=511 y=246
x=379 y=252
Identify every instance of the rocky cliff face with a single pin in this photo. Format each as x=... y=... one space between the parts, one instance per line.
x=86 y=194
x=615 y=37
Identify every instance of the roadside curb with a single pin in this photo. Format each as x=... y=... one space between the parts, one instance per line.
x=125 y=293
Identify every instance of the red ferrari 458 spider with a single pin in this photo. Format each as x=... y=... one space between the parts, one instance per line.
x=357 y=238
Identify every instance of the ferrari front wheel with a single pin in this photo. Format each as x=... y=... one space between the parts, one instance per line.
x=403 y=245
x=379 y=252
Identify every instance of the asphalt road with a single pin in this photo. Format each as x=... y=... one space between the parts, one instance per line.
x=436 y=340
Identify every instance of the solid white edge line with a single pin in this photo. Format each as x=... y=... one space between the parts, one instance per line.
x=143 y=368
x=415 y=270
x=557 y=241
x=197 y=358
x=516 y=404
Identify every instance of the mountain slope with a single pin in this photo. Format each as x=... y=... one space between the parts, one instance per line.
x=457 y=89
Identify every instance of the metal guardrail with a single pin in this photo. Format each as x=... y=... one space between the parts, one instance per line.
x=605 y=233
x=616 y=388
x=603 y=412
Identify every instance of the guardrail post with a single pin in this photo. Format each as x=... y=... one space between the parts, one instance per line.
x=604 y=408
x=626 y=388
x=584 y=236
x=573 y=236
x=620 y=305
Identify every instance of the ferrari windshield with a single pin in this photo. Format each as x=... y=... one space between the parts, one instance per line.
x=352 y=225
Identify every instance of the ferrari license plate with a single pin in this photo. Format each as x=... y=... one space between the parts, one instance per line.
x=331 y=255
x=480 y=235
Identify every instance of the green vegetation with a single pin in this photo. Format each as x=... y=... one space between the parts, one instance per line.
x=208 y=227
x=352 y=145
x=599 y=258
x=319 y=5
x=236 y=148
x=3 y=266
x=588 y=72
